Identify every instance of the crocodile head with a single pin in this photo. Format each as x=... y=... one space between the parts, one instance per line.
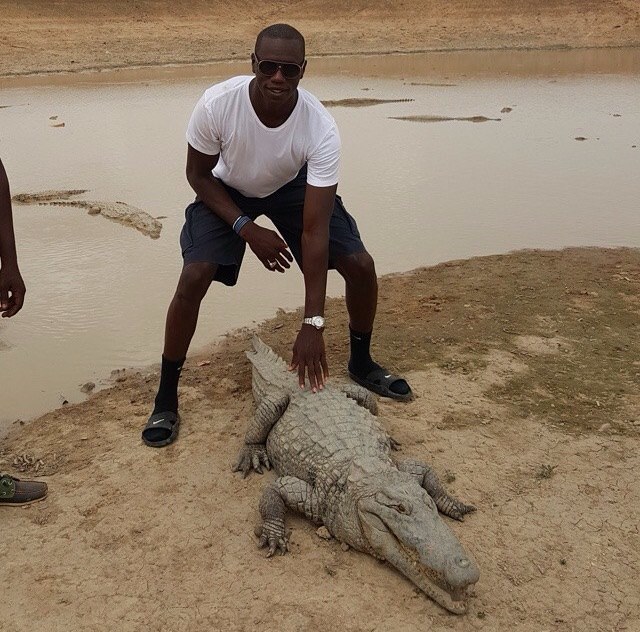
x=401 y=524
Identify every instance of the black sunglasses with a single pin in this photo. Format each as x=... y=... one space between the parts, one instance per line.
x=269 y=68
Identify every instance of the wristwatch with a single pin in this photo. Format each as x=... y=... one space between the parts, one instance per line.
x=314 y=321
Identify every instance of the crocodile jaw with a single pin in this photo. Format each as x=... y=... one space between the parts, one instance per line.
x=426 y=552
x=433 y=584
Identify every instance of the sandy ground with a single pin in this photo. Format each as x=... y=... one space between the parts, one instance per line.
x=525 y=367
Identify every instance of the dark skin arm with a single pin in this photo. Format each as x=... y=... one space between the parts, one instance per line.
x=12 y=289
x=309 y=356
x=266 y=244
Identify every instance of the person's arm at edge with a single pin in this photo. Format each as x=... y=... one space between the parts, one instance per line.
x=12 y=289
x=309 y=352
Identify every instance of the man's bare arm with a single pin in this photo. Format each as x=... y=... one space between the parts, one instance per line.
x=309 y=356
x=207 y=188
x=266 y=244
x=318 y=208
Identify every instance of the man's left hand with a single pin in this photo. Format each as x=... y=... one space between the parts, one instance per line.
x=309 y=358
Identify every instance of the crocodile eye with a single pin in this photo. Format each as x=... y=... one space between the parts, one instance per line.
x=393 y=503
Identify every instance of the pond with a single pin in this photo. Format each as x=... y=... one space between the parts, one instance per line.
x=455 y=155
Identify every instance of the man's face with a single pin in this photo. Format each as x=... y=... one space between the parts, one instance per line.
x=278 y=88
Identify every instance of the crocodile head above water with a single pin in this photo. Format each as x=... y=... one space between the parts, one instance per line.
x=401 y=524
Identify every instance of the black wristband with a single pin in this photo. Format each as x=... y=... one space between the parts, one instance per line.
x=242 y=221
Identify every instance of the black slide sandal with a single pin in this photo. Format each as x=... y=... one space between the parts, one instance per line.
x=379 y=381
x=161 y=429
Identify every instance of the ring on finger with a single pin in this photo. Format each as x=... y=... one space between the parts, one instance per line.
x=271 y=264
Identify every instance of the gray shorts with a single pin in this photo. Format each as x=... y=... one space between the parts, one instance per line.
x=207 y=238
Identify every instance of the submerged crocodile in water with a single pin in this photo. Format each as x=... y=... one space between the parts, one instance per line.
x=334 y=464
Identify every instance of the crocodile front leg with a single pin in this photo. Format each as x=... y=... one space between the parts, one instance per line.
x=428 y=479
x=291 y=492
x=362 y=396
x=253 y=454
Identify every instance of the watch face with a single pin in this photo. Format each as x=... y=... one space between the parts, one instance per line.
x=317 y=322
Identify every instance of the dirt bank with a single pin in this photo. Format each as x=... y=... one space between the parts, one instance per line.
x=526 y=372
x=42 y=36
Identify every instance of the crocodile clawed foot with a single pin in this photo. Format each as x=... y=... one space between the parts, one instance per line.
x=273 y=534
x=252 y=457
x=459 y=510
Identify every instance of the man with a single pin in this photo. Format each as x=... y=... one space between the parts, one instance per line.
x=261 y=145
x=13 y=491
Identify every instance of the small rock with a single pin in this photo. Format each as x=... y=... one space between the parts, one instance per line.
x=323 y=533
x=204 y=363
x=345 y=547
x=87 y=387
x=604 y=427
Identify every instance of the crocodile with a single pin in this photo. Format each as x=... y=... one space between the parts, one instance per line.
x=119 y=212
x=334 y=464
x=357 y=102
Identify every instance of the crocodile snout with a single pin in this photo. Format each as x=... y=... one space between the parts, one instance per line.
x=461 y=571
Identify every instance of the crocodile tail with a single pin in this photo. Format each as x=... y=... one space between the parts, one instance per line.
x=267 y=363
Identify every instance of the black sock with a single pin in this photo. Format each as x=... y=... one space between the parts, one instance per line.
x=167 y=397
x=360 y=362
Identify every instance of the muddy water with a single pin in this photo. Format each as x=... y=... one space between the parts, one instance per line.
x=425 y=182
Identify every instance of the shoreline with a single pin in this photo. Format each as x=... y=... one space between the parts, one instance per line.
x=72 y=35
x=177 y=65
x=202 y=352
x=458 y=64
x=99 y=69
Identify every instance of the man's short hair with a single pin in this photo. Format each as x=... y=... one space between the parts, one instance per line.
x=280 y=31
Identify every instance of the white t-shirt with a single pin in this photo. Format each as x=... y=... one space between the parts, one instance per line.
x=255 y=159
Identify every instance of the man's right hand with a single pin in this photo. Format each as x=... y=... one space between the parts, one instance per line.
x=310 y=358
x=268 y=246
